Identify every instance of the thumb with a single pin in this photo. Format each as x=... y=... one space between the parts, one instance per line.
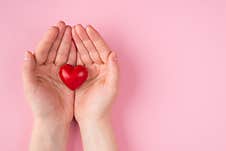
x=113 y=70
x=28 y=68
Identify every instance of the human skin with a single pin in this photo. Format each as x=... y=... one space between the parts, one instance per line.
x=93 y=100
x=54 y=105
x=50 y=100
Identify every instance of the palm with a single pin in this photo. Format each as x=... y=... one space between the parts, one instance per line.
x=50 y=91
x=89 y=97
x=95 y=96
x=48 y=96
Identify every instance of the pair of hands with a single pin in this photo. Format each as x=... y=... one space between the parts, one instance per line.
x=51 y=101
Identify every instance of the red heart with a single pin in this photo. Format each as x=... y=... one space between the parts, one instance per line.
x=73 y=77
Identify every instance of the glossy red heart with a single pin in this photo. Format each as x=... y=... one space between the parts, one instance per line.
x=73 y=76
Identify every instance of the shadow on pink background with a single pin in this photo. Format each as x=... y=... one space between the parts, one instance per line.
x=173 y=69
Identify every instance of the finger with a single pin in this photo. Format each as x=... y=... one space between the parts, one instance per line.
x=81 y=48
x=94 y=55
x=79 y=60
x=64 y=48
x=113 y=71
x=29 y=69
x=99 y=43
x=42 y=50
x=53 y=51
x=72 y=55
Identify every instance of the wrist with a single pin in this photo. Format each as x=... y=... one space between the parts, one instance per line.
x=50 y=125
x=49 y=136
x=94 y=121
x=97 y=134
x=51 y=130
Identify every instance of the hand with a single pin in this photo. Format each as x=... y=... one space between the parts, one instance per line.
x=51 y=101
x=48 y=96
x=94 y=98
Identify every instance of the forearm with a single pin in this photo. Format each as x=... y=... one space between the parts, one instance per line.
x=48 y=136
x=98 y=135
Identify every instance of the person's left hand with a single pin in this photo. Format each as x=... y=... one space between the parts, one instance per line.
x=49 y=98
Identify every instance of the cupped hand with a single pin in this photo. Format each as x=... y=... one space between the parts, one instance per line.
x=49 y=98
x=94 y=98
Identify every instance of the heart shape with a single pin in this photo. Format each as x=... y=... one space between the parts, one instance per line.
x=73 y=76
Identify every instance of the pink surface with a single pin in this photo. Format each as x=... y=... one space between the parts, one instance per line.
x=173 y=69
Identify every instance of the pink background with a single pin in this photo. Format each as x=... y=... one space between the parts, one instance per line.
x=173 y=69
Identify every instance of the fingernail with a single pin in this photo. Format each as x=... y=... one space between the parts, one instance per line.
x=88 y=26
x=26 y=56
x=115 y=58
x=74 y=30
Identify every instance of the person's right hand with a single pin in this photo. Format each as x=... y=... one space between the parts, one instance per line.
x=94 y=98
